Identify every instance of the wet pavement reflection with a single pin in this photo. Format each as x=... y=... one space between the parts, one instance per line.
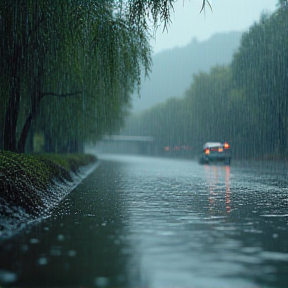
x=148 y=222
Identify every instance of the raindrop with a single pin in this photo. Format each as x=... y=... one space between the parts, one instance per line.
x=101 y=281
x=61 y=237
x=34 y=241
x=42 y=261
x=7 y=276
x=72 y=253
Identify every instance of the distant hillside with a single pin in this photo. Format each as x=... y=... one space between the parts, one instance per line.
x=172 y=69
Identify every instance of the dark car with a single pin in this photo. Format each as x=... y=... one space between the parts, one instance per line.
x=215 y=152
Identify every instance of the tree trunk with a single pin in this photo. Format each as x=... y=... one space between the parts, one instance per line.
x=24 y=134
x=11 y=116
x=12 y=112
x=32 y=116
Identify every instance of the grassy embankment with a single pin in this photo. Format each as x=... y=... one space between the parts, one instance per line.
x=25 y=178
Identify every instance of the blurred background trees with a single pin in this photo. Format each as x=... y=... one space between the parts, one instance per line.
x=244 y=103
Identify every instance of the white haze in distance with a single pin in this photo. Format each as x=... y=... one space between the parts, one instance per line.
x=226 y=15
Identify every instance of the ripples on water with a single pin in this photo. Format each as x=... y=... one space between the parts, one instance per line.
x=208 y=222
x=145 y=222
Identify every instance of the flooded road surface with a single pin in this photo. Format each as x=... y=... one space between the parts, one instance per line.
x=148 y=222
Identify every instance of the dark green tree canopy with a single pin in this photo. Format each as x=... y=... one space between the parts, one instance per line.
x=73 y=62
x=83 y=56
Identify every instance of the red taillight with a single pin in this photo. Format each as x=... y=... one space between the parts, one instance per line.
x=207 y=151
x=220 y=150
x=226 y=145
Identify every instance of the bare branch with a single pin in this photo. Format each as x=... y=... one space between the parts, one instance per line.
x=60 y=95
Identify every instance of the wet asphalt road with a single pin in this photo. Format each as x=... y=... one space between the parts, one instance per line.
x=151 y=222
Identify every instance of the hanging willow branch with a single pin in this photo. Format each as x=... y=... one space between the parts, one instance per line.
x=204 y=4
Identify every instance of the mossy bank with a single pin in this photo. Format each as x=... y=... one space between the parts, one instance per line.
x=31 y=185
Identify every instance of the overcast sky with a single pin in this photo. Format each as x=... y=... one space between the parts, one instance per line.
x=227 y=15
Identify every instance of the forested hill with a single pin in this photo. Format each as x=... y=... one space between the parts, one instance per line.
x=172 y=69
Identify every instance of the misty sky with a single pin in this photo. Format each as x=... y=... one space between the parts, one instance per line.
x=227 y=15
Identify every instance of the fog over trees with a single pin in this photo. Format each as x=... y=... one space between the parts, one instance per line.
x=244 y=103
x=172 y=70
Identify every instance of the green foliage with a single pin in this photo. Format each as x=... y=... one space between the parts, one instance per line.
x=260 y=70
x=244 y=103
x=24 y=177
x=70 y=162
x=68 y=68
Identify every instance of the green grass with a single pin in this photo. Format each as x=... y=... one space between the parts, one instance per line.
x=22 y=176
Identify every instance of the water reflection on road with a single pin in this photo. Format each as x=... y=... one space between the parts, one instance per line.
x=218 y=179
x=147 y=222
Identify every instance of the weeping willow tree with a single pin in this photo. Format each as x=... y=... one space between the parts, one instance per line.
x=69 y=67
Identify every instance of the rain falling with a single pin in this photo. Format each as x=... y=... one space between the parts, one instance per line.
x=125 y=167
